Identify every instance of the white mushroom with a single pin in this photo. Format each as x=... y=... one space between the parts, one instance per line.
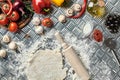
x=62 y=18
x=6 y=39
x=69 y=12
x=39 y=29
x=77 y=7
x=12 y=45
x=36 y=21
x=3 y=53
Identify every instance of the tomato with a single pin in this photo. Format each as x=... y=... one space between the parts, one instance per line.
x=97 y=35
x=47 y=22
x=14 y=16
x=3 y=19
x=13 y=27
x=6 y=8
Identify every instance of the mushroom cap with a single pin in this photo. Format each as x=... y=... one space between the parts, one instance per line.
x=6 y=39
x=69 y=12
x=36 y=21
x=77 y=7
x=12 y=45
x=39 y=29
x=3 y=53
x=62 y=18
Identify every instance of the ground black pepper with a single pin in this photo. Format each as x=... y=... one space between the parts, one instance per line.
x=113 y=23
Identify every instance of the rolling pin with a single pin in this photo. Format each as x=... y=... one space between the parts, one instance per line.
x=73 y=59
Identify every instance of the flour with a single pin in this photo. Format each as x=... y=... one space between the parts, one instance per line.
x=45 y=65
x=84 y=48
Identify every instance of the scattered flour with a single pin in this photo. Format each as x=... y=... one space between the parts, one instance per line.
x=82 y=47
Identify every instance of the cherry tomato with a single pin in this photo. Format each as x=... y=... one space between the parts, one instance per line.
x=14 y=16
x=6 y=8
x=47 y=22
x=97 y=35
x=13 y=27
x=3 y=19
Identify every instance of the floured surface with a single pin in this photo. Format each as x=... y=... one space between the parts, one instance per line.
x=45 y=65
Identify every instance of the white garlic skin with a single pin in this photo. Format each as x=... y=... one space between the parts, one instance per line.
x=62 y=18
x=6 y=39
x=39 y=29
x=12 y=45
x=77 y=7
x=36 y=21
x=3 y=53
x=69 y=12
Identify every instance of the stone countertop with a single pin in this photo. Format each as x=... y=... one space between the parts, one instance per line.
x=101 y=64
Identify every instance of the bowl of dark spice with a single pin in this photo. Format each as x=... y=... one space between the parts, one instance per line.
x=112 y=22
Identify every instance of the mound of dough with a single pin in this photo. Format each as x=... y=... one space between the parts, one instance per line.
x=45 y=65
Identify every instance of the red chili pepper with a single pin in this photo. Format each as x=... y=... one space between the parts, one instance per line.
x=81 y=11
x=10 y=3
x=41 y=6
x=10 y=11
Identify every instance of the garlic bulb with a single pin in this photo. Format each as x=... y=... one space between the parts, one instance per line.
x=3 y=53
x=77 y=7
x=39 y=29
x=62 y=18
x=36 y=21
x=69 y=12
x=12 y=45
x=6 y=39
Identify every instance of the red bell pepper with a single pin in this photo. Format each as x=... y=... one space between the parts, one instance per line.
x=81 y=12
x=41 y=6
x=10 y=3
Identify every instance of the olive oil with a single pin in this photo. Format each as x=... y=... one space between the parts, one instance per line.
x=95 y=10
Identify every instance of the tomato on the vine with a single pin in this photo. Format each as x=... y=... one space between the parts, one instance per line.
x=14 y=16
x=5 y=8
x=13 y=27
x=3 y=19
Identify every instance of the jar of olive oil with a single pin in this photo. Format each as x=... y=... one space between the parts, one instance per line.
x=95 y=9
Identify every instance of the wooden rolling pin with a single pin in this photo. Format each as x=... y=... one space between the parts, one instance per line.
x=73 y=59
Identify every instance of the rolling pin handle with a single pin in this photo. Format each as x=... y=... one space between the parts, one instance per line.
x=59 y=37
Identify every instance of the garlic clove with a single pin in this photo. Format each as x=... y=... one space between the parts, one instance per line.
x=39 y=29
x=77 y=7
x=62 y=18
x=3 y=53
x=36 y=21
x=12 y=45
x=6 y=39
x=69 y=12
